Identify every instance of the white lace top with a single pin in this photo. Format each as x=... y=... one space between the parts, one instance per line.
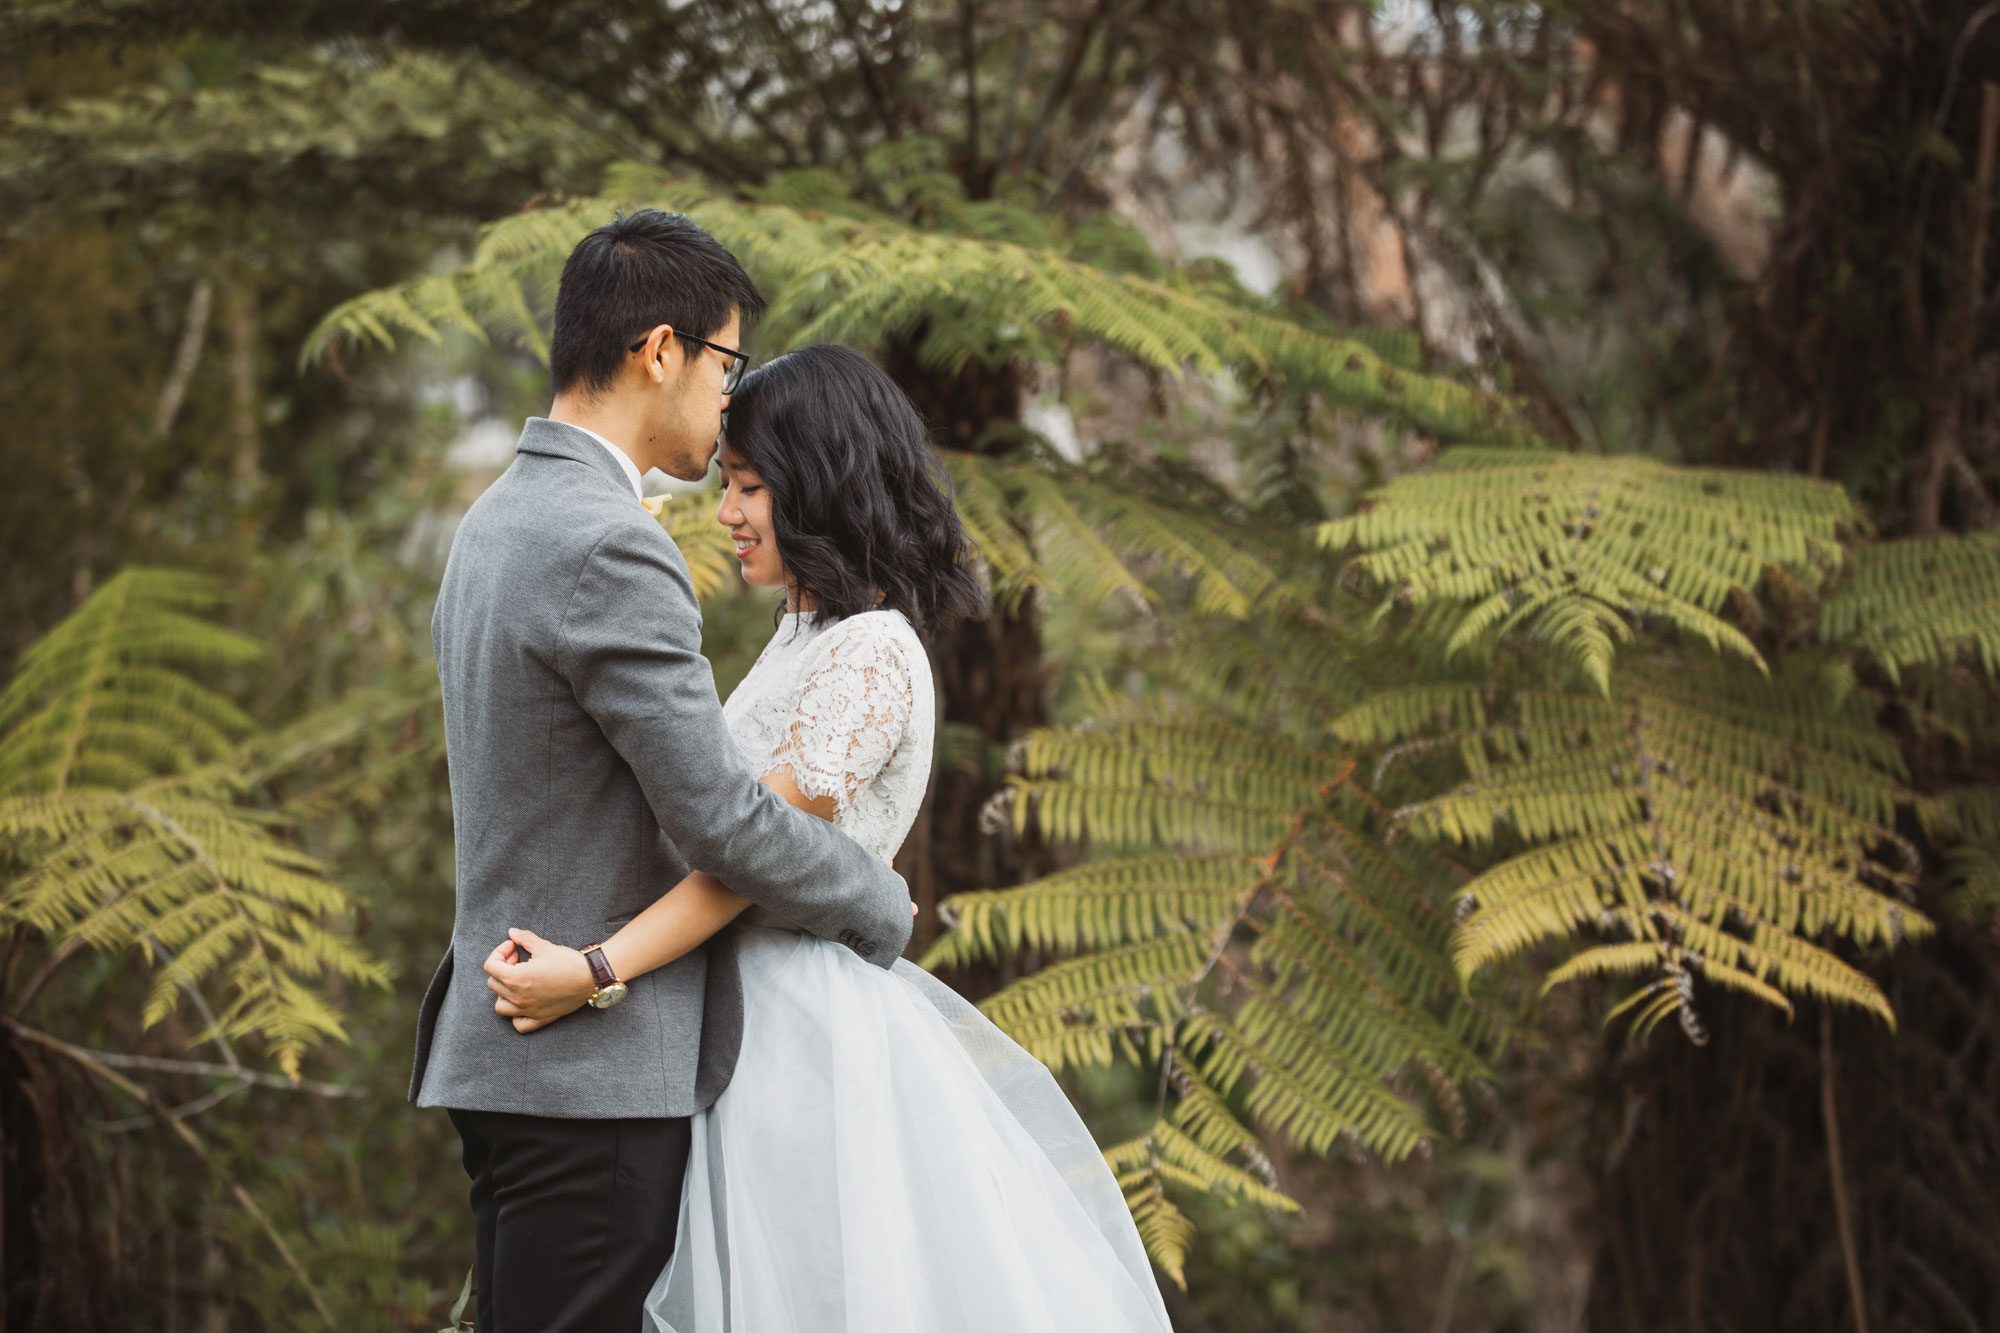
x=850 y=710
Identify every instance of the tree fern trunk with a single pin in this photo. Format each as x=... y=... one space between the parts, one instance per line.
x=59 y=1270
x=990 y=673
x=992 y=677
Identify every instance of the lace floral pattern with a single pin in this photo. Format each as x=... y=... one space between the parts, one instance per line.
x=848 y=709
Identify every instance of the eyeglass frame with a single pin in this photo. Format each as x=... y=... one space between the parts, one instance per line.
x=732 y=374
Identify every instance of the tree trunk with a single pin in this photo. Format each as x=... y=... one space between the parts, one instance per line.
x=991 y=676
x=990 y=673
x=60 y=1269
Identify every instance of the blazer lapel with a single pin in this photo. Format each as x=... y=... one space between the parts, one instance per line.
x=554 y=439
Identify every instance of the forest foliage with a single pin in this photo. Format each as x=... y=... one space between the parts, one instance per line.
x=1604 y=609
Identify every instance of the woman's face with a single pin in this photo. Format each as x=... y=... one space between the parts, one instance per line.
x=746 y=511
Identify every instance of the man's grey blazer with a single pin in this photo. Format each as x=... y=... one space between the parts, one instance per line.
x=590 y=768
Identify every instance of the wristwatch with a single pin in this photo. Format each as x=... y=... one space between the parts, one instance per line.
x=610 y=990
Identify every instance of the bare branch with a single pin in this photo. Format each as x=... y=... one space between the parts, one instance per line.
x=187 y=354
x=91 y=1061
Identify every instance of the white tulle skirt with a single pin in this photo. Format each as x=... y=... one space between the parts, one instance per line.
x=885 y=1160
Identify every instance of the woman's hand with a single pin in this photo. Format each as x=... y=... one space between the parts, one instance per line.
x=535 y=991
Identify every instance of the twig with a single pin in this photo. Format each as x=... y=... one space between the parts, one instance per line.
x=185 y=1111
x=795 y=65
x=1842 y=1213
x=200 y=1002
x=1454 y=1278
x=1959 y=332
x=14 y=942
x=241 y=323
x=160 y=1064
x=843 y=10
x=90 y=1060
x=187 y=355
x=1059 y=86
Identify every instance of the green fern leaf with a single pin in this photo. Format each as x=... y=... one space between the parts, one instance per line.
x=1241 y=919
x=122 y=800
x=1576 y=551
x=1921 y=603
x=690 y=520
x=858 y=277
x=1715 y=825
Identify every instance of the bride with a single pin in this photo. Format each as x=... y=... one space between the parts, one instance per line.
x=884 y=1159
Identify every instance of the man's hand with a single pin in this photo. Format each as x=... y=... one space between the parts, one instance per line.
x=535 y=991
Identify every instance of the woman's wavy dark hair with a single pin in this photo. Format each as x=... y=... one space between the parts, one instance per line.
x=859 y=503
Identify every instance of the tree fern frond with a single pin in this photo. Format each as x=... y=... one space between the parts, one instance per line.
x=1304 y=1086
x=1071 y=549
x=1204 y=1115
x=1577 y=550
x=1089 y=533
x=1144 y=1167
x=105 y=690
x=1194 y=1165
x=1349 y=991
x=1164 y=1230
x=372 y=735
x=690 y=520
x=1183 y=751
x=1133 y=985
x=992 y=520
x=1921 y=602
x=162 y=852
x=1722 y=823
x=1112 y=901
x=1974 y=873
x=1252 y=929
x=1967 y=820
x=1284 y=675
x=1123 y=816
x=857 y=277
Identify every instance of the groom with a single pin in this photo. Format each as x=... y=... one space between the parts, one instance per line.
x=590 y=769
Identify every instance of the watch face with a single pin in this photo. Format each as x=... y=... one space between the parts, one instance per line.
x=609 y=996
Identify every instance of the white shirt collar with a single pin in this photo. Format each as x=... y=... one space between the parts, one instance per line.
x=624 y=460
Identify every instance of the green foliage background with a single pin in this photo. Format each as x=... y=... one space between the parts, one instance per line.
x=1418 y=733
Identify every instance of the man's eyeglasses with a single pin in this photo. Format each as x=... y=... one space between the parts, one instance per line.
x=731 y=377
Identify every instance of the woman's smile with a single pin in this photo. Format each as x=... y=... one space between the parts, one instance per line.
x=745 y=510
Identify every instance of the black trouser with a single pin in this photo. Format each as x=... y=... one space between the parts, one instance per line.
x=572 y=1219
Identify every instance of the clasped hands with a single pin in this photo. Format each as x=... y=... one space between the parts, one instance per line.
x=534 y=991
x=552 y=980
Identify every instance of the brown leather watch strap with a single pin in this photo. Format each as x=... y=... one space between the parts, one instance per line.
x=600 y=966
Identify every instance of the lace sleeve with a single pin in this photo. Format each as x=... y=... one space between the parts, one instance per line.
x=853 y=711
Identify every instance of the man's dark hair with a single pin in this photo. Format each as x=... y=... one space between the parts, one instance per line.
x=645 y=269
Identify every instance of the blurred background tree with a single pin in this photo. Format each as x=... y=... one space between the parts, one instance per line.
x=1738 y=237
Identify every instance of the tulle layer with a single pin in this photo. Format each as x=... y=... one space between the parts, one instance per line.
x=885 y=1160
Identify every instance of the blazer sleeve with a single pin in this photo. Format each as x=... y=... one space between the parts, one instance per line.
x=630 y=647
